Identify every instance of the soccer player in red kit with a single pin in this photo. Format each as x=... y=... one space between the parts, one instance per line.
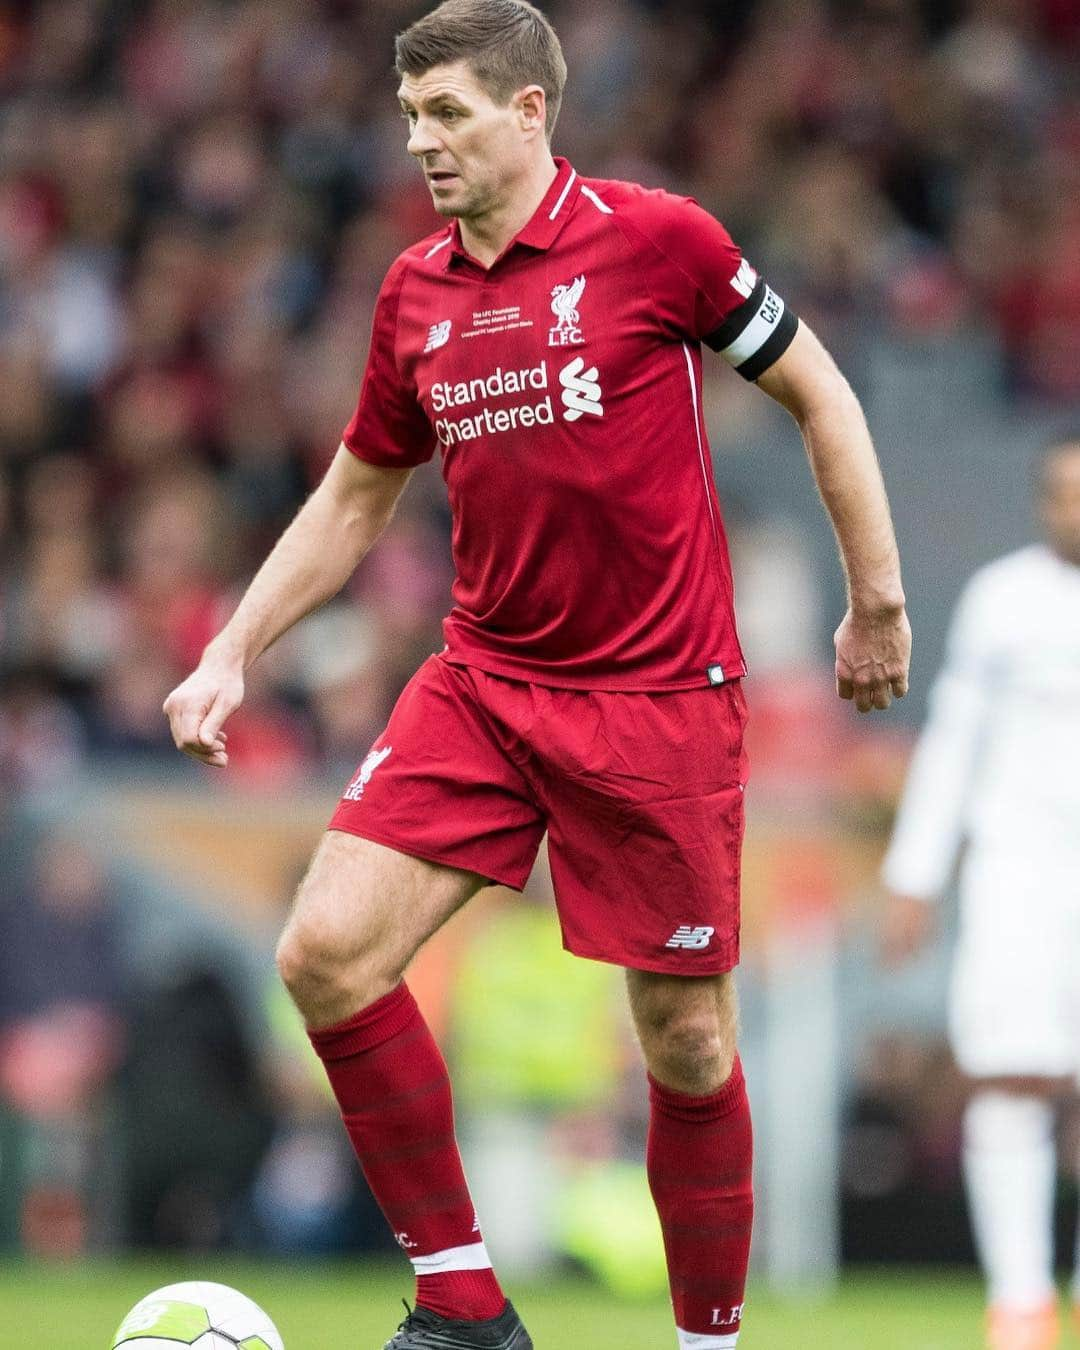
x=547 y=343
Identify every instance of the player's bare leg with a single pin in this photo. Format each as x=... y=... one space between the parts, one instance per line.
x=1010 y=1170
x=361 y=914
x=700 y=1153
x=688 y=1028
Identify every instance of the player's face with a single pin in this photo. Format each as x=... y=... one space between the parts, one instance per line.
x=1060 y=501
x=472 y=151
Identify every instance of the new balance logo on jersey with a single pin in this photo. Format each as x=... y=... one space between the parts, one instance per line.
x=355 y=790
x=691 y=939
x=581 y=390
x=744 y=280
x=565 y=299
x=438 y=335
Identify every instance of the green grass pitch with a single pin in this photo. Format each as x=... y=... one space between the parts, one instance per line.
x=356 y=1307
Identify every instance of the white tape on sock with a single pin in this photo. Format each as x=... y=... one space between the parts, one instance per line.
x=698 y=1340
x=473 y=1257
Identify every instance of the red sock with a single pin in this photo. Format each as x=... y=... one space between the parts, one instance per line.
x=394 y=1092
x=699 y=1159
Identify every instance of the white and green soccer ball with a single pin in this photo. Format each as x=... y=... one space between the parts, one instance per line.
x=198 y=1314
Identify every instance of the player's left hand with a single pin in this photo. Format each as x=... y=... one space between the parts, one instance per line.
x=873 y=652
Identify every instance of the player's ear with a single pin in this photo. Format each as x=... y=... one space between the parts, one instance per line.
x=530 y=104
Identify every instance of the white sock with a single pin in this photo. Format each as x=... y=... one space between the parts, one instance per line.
x=1010 y=1169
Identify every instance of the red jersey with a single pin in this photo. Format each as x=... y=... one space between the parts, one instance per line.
x=562 y=387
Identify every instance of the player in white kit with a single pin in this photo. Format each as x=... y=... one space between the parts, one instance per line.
x=996 y=778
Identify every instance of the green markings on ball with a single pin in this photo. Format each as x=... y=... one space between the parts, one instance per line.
x=169 y=1321
x=253 y=1343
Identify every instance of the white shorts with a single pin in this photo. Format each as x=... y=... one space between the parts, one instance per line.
x=1015 y=998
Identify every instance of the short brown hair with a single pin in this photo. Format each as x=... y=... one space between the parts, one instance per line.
x=507 y=43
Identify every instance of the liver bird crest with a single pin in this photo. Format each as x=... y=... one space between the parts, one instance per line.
x=564 y=302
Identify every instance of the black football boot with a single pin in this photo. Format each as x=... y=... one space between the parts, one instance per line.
x=424 y=1330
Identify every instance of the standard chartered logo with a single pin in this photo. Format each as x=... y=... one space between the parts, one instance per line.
x=581 y=390
x=581 y=394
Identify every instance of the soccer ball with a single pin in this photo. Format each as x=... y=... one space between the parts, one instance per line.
x=202 y=1315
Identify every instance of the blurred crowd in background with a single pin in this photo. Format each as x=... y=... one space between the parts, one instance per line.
x=198 y=202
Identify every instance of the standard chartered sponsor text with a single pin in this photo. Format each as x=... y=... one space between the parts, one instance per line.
x=486 y=421
x=447 y=395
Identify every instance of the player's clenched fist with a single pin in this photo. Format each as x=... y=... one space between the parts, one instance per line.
x=873 y=652
x=197 y=710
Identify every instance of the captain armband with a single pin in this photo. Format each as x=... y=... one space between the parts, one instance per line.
x=756 y=334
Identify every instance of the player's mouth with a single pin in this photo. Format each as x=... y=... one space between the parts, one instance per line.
x=442 y=177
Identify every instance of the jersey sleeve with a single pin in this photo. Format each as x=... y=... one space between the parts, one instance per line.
x=389 y=427
x=710 y=292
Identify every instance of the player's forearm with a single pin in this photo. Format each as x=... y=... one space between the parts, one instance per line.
x=309 y=564
x=848 y=477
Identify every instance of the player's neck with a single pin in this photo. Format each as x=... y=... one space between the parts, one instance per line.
x=485 y=237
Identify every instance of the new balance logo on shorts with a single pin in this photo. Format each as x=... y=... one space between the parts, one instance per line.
x=355 y=790
x=691 y=939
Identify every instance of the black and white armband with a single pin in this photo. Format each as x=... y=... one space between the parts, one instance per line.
x=759 y=331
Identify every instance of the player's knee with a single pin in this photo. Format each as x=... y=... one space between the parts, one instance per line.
x=690 y=1050
x=296 y=959
x=317 y=967
x=696 y=1053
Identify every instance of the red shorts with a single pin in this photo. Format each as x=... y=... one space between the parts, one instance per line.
x=641 y=795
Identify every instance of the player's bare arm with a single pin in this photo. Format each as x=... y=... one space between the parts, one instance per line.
x=873 y=642
x=308 y=565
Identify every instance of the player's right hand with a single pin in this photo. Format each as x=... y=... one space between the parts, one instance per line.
x=873 y=652
x=907 y=925
x=198 y=707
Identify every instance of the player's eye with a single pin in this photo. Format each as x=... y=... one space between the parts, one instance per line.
x=449 y=114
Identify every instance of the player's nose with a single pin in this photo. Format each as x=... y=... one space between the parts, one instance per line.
x=422 y=142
